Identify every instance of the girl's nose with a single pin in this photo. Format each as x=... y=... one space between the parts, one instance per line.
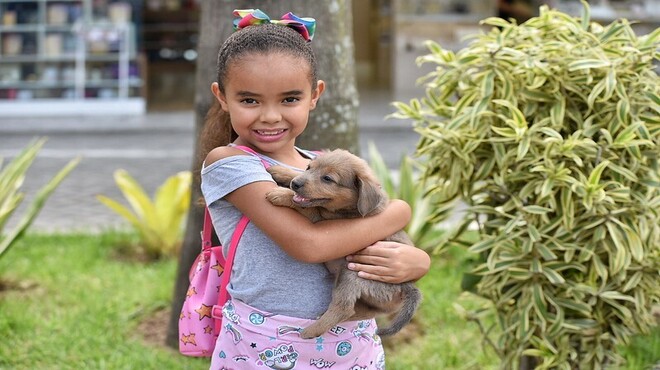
x=270 y=115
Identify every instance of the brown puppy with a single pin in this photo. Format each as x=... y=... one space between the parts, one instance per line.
x=338 y=184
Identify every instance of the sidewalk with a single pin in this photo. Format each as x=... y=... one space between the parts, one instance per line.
x=150 y=147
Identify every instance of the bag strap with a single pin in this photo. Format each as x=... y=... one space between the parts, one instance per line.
x=231 y=253
x=265 y=163
x=207 y=230
x=251 y=151
x=207 y=233
x=226 y=264
x=235 y=238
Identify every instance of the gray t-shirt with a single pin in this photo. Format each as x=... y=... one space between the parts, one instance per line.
x=263 y=275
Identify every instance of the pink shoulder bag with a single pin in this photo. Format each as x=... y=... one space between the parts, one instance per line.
x=201 y=314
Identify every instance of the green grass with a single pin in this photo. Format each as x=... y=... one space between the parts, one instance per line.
x=74 y=305
x=81 y=306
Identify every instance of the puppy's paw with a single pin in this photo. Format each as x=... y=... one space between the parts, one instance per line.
x=281 y=175
x=311 y=332
x=280 y=197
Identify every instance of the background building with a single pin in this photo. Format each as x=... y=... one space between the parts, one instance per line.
x=129 y=56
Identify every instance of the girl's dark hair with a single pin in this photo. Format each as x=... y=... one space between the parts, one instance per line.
x=263 y=39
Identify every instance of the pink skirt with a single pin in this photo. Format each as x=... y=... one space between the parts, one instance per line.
x=253 y=339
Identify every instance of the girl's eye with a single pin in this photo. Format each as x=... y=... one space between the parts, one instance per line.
x=248 y=101
x=327 y=178
x=290 y=100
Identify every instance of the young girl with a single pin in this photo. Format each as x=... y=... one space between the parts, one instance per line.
x=266 y=86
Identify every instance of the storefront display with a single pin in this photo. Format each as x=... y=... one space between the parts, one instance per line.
x=69 y=57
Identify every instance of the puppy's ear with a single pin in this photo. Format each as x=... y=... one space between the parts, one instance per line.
x=371 y=198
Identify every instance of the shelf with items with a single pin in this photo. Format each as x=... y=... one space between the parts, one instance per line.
x=78 y=53
x=171 y=34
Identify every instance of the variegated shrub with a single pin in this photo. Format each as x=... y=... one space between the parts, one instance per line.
x=549 y=131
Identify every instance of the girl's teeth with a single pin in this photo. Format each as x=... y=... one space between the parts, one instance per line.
x=269 y=132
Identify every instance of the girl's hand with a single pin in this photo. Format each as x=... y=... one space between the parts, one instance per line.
x=390 y=262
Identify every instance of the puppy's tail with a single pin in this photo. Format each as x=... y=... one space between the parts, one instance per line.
x=412 y=298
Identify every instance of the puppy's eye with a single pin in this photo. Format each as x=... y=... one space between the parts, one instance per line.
x=327 y=178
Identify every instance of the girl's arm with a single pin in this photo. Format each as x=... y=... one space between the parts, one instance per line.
x=316 y=242
x=299 y=237
x=390 y=262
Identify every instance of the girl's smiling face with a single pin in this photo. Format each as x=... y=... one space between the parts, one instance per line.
x=269 y=97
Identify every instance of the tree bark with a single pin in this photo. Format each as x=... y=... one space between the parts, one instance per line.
x=528 y=363
x=333 y=124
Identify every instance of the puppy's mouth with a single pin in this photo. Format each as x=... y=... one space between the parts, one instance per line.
x=307 y=202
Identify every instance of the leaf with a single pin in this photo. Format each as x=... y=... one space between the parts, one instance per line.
x=587 y=64
x=519 y=273
x=495 y=21
x=612 y=294
x=624 y=312
x=635 y=244
x=600 y=268
x=409 y=191
x=377 y=164
x=594 y=177
x=623 y=111
x=557 y=113
x=595 y=92
x=582 y=308
x=119 y=209
x=539 y=301
x=532 y=352
x=586 y=15
x=551 y=133
x=650 y=40
x=171 y=203
x=536 y=266
x=623 y=172
x=580 y=325
x=611 y=30
x=545 y=252
x=537 y=210
x=633 y=281
x=610 y=84
x=533 y=232
x=567 y=208
x=487 y=84
x=135 y=195
x=524 y=322
x=13 y=175
x=618 y=259
x=482 y=246
x=516 y=114
x=553 y=276
x=36 y=205
x=536 y=95
x=504 y=132
x=523 y=147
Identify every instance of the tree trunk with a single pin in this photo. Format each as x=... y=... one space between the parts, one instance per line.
x=333 y=124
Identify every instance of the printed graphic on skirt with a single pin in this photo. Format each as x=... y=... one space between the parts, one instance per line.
x=253 y=339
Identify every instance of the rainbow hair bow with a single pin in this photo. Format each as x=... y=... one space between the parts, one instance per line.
x=250 y=17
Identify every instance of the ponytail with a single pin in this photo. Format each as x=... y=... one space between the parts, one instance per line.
x=217 y=130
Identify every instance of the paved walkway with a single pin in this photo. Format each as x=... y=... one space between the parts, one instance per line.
x=151 y=148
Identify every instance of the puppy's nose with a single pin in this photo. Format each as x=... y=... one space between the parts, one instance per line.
x=297 y=184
